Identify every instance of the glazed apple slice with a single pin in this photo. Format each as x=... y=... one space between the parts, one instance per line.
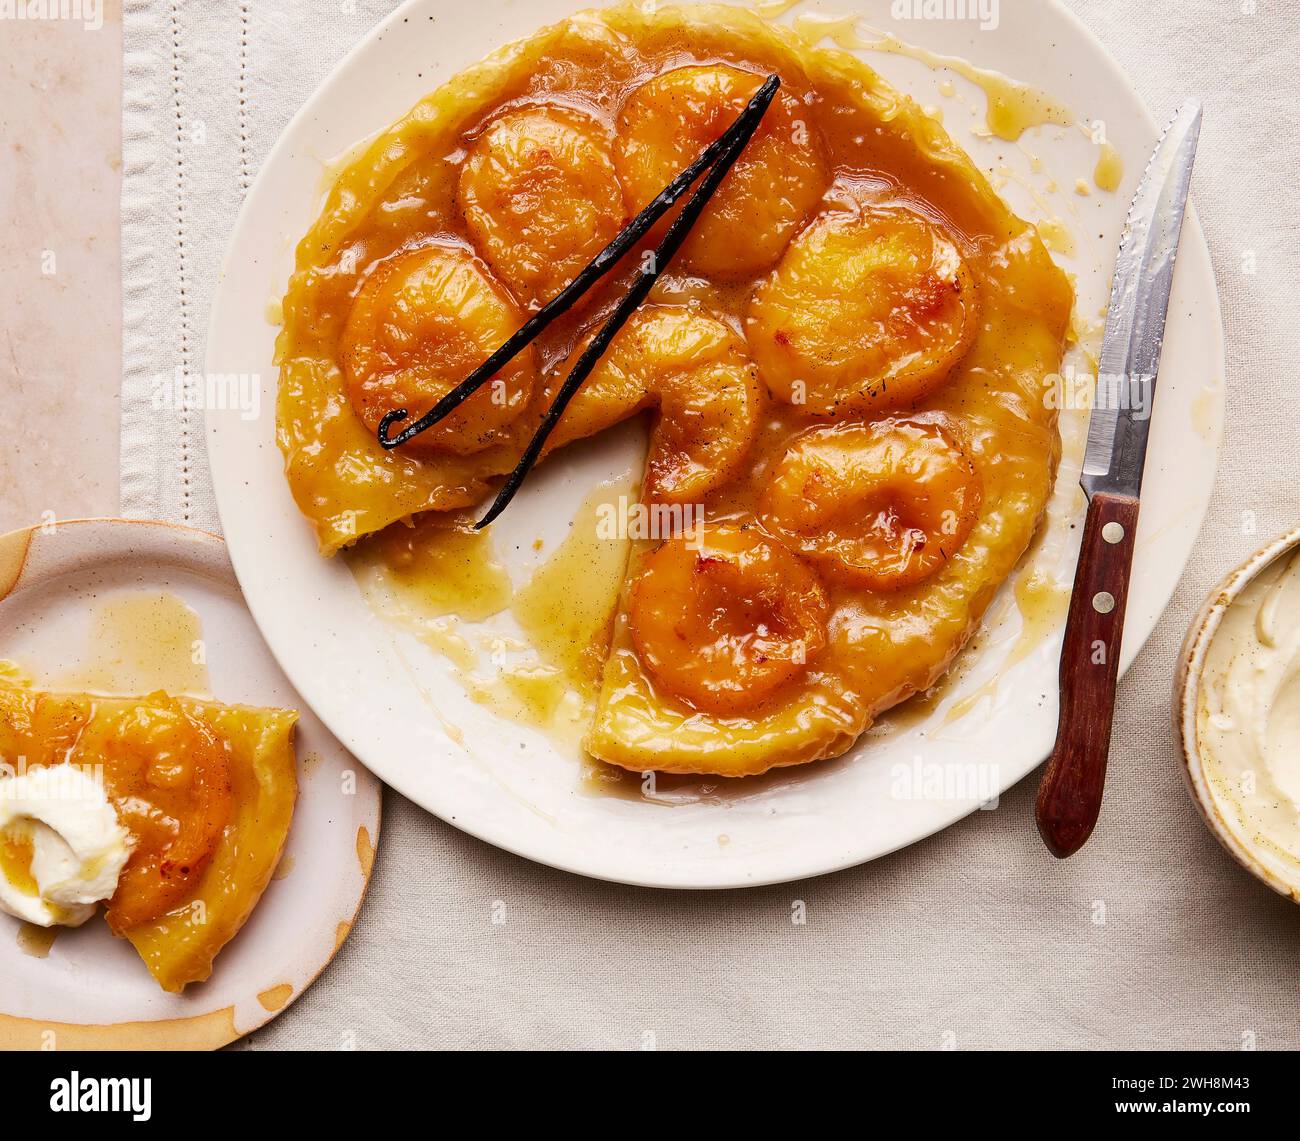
x=541 y=198
x=882 y=506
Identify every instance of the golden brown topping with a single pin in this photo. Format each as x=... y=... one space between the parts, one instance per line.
x=881 y=505
x=168 y=776
x=725 y=619
x=541 y=198
x=699 y=375
x=769 y=194
x=423 y=321
x=868 y=310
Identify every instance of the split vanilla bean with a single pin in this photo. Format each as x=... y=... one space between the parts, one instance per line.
x=717 y=159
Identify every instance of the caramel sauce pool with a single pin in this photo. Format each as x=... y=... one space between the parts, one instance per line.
x=16 y=853
x=1013 y=107
x=16 y=866
x=1109 y=172
x=37 y=941
x=442 y=566
x=443 y=582
x=568 y=605
x=140 y=642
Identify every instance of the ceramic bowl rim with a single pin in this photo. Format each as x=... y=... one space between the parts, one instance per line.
x=1187 y=690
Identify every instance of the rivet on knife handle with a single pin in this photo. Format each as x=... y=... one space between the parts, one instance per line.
x=1069 y=797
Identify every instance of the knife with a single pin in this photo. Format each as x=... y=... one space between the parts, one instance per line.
x=1069 y=797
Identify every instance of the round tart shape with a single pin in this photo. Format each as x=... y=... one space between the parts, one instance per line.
x=855 y=256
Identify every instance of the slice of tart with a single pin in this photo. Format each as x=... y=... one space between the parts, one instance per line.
x=204 y=792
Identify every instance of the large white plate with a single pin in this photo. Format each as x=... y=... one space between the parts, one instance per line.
x=389 y=700
x=92 y=991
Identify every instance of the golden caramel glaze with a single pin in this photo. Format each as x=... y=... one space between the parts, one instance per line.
x=977 y=313
x=696 y=371
x=906 y=290
x=401 y=194
x=409 y=189
x=168 y=775
x=881 y=505
x=423 y=322
x=541 y=197
x=769 y=194
x=206 y=792
x=16 y=853
x=726 y=617
x=868 y=310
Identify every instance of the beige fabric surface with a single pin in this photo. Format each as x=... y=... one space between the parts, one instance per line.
x=975 y=938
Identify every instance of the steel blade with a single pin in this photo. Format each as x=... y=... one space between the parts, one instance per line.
x=1135 y=321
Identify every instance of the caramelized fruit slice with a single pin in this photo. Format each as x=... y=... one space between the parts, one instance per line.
x=726 y=618
x=881 y=505
x=869 y=309
x=771 y=191
x=168 y=775
x=423 y=321
x=38 y=729
x=699 y=375
x=179 y=946
x=541 y=198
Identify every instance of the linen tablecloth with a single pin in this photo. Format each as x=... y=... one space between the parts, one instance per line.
x=973 y=938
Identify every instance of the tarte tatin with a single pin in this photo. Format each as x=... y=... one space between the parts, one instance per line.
x=204 y=791
x=845 y=365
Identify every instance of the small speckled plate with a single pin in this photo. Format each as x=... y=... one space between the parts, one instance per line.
x=1187 y=696
x=91 y=991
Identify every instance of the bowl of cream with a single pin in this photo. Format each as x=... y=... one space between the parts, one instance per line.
x=1237 y=711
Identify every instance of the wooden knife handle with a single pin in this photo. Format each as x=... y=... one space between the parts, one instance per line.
x=1069 y=797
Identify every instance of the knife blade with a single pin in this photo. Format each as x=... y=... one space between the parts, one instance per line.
x=1135 y=318
x=1070 y=794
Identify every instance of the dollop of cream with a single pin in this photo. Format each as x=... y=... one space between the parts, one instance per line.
x=1248 y=722
x=62 y=847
